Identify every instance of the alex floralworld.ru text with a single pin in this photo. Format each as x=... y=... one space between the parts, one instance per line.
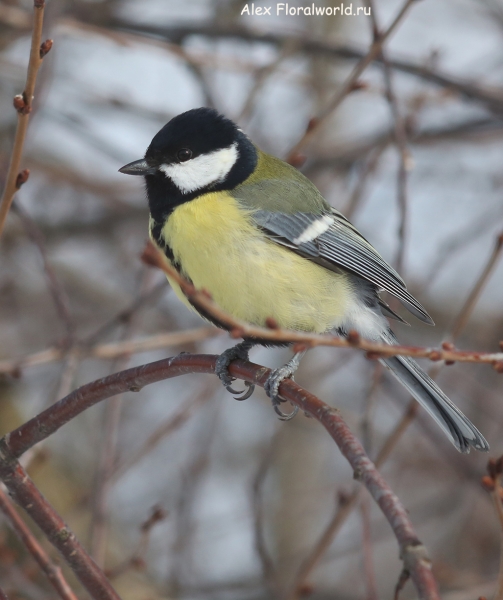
x=308 y=11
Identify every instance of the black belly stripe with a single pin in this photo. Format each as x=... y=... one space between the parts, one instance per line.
x=156 y=232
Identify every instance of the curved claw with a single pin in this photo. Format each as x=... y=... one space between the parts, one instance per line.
x=285 y=416
x=245 y=394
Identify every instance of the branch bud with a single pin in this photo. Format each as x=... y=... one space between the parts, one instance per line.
x=313 y=122
x=45 y=47
x=487 y=483
x=498 y=366
x=271 y=323
x=22 y=178
x=492 y=468
x=299 y=347
x=358 y=85
x=39 y=3
x=306 y=589
x=297 y=160
x=353 y=337
x=21 y=105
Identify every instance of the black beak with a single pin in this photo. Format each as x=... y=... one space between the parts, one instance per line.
x=138 y=167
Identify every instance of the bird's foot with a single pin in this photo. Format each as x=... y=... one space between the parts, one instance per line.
x=222 y=369
x=275 y=379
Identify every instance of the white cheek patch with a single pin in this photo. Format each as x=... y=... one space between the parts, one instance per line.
x=203 y=170
x=315 y=229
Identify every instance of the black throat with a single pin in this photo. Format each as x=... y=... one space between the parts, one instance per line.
x=163 y=195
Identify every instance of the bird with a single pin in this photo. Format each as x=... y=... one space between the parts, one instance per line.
x=257 y=234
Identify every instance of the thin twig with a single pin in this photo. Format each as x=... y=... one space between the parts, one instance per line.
x=261 y=77
x=107 y=454
x=23 y=105
x=124 y=315
x=490 y=97
x=183 y=545
x=400 y=142
x=368 y=560
x=474 y=295
x=371 y=163
x=53 y=572
x=56 y=288
x=164 y=430
x=268 y=567
x=137 y=560
x=343 y=509
x=345 y=506
x=240 y=329
x=110 y=351
x=497 y=496
x=492 y=483
x=348 y=85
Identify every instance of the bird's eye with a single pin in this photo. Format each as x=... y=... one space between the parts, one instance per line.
x=184 y=154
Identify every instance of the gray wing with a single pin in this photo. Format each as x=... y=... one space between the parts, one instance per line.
x=330 y=240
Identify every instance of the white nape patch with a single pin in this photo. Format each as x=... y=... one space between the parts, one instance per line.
x=315 y=229
x=202 y=170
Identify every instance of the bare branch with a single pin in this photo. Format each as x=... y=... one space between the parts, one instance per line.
x=111 y=350
x=374 y=52
x=490 y=97
x=492 y=483
x=474 y=295
x=58 y=292
x=53 y=572
x=413 y=553
x=240 y=329
x=23 y=105
x=25 y=493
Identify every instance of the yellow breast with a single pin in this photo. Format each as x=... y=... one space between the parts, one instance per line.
x=250 y=277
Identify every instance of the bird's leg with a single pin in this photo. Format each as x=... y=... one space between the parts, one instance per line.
x=275 y=379
x=222 y=368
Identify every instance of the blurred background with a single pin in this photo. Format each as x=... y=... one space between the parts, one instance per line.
x=180 y=491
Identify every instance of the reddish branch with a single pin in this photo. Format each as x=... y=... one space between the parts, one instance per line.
x=23 y=105
x=25 y=493
x=239 y=329
x=413 y=553
x=53 y=572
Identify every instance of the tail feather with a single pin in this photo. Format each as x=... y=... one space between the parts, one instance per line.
x=458 y=428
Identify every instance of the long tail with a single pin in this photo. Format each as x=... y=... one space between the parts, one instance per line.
x=458 y=428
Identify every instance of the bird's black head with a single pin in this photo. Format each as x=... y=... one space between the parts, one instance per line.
x=196 y=152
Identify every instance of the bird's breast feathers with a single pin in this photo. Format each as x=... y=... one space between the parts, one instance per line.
x=216 y=245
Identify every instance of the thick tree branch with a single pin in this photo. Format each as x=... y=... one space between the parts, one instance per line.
x=412 y=552
x=24 y=492
x=53 y=572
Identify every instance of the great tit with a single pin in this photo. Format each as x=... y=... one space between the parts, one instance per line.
x=258 y=235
